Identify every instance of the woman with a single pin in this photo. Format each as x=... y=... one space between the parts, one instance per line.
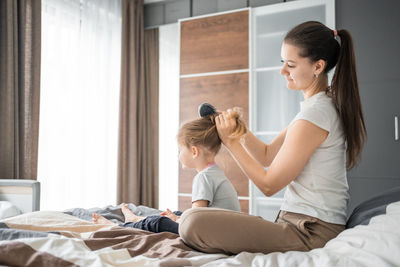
x=309 y=157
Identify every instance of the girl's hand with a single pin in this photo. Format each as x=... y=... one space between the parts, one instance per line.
x=170 y=215
x=226 y=125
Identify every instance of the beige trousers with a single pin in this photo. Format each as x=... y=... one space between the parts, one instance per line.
x=223 y=231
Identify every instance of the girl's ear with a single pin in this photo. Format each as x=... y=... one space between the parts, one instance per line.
x=319 y=67
x=195 y=151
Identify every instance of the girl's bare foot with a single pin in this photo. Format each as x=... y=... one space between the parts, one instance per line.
x=129 y=215
x=98 y=219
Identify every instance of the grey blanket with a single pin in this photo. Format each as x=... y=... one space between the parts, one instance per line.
x=112 y=213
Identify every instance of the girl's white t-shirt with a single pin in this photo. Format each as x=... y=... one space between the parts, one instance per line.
x=211 y=184
x=321 y=189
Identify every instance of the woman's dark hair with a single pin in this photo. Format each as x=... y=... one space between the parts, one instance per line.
x=316 y=41
x=203 y=132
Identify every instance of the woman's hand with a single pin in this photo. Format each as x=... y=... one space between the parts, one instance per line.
x=226 y=125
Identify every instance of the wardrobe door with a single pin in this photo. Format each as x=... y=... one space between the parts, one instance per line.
x=215 y=43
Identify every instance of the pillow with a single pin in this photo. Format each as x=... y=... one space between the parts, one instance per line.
x=7 y=209
x=363 y=213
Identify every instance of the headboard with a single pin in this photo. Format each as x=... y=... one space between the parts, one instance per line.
x=24 y=194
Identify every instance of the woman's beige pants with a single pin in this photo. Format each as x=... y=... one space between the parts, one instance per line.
x=223 y=231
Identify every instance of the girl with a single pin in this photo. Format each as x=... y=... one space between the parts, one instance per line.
x=309 y=156
x=198 y=143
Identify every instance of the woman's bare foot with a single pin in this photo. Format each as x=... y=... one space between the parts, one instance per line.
x=98 y=219
x=129 y=215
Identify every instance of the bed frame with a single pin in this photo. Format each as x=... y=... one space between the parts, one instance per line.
x=24 y=194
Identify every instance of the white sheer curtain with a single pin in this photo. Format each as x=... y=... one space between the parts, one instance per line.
x=78 y=136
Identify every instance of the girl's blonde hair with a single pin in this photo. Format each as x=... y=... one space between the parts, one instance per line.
x=203 y=132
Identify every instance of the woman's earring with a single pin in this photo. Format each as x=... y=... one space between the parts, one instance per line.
x=316 y=76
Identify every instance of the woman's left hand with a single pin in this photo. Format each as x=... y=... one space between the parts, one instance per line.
x=226 y=125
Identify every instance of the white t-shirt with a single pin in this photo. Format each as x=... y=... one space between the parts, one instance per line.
x=211 y=184
x=321 y=189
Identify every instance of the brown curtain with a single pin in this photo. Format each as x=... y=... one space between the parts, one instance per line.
x=138 y=123
x=20 y=35
x=151 y=59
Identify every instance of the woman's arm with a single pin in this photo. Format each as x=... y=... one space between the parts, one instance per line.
x=300 y=143
x=263 y=153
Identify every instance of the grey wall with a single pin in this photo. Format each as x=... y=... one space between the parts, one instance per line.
x=170 y=11
x=374 y=26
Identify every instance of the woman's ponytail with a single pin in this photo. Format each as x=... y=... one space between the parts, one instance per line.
x=346 y=95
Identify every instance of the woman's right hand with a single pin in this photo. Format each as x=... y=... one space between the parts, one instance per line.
x=226 y=125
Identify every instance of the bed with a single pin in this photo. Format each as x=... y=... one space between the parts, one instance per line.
x=18 y=196
x=68 y=238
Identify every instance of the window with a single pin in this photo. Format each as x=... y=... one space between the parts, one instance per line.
x=80 y=84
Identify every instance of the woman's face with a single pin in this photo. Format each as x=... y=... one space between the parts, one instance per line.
x=299 y=71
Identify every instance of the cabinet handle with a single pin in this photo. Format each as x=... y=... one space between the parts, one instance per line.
x=396 y=128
